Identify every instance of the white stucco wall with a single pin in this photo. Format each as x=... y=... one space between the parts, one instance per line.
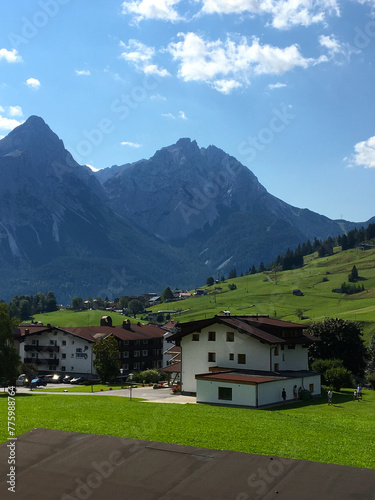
x=242 y=394
x=246 y=395
x=258 y=356
x=78 y=352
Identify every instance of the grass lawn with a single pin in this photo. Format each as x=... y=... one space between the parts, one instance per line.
x=340 y=434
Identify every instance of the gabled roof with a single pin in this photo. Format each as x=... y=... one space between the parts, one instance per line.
x=263 y=328
x=93 y=333
x=22 y=332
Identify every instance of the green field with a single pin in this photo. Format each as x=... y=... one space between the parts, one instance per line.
x=340 y=434
x=258 y=294
x=82 y=318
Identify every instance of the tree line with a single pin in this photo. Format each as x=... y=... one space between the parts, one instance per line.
x=24 y=306
x=293 y=259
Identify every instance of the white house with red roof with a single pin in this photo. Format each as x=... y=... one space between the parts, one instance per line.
x=69 y=350
x=245 y=360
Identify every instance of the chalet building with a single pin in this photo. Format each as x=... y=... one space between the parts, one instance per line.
x=69 y=350
x=55 y=350
x=244 y=360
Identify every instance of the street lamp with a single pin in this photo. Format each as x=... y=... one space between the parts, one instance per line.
x=131 y=384
x=122 y=380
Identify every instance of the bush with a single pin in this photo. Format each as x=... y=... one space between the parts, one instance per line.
x=322 y=365
x=148 y=376
x=371 y=379
x=338 y=377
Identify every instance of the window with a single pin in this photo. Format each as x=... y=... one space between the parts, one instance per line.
x=51 y=342
x=241 y=359
x=195 y=337
x=211 y=357
x=291 y=346
x=225 y=393
x=230 y=336
x=276 y=367
x=231 y=356
x=126 y=366
x=33 y=342
x=144 y=341
x=72 y=356
x=282 y=347
x=136 y=354
x=63 y=342
x=311 y=388
x=63 y=356
x=145 y=352
x=276 y=350
x=51 y=354
x=125 y=354
x=136 y=366
x=211 y=336
x=33 y=354
x=136 y=342
x=63 y=368
x=125 y=342
x=72 y=368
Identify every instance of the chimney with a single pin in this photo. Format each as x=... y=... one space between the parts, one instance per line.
x=126 y=324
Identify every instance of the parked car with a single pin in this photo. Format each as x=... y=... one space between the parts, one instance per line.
x=21 y=380
x=78 y=380
x=36 y=382
x=56 y=379
x=67 y=379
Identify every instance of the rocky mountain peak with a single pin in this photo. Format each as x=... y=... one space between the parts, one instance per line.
x=33 y=137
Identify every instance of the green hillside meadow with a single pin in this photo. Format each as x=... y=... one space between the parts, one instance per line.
x=259 y=294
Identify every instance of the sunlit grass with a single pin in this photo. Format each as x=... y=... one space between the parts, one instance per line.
x=341 y=434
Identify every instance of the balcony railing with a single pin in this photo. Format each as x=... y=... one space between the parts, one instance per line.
x=42 y=348
x=41 y=361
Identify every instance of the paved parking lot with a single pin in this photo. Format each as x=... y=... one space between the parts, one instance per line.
x=163 y=395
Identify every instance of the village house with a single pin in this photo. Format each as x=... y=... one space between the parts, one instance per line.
x=244 y=360
x=69 y=350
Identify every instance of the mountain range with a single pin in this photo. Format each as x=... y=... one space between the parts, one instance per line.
x=174 y=219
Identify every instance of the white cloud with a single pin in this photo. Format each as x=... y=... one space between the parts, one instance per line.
x=141 y=55
x=277 y=85
x=1 y=109
x=284 y=13
x=336 y=50
x=225 y=86
x=152 y=9
x=181 y=115
x=10 y=56
x=152 y=69
x=228 y=65
x=33 y=83
x=131 y=144
x=364 y=155
x=83 y=72
x=15 y=111
x=158 y=97
x=8 y=123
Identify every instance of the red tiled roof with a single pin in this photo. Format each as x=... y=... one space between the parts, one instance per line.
x=93 y=333
x=237 y=378
x=174 y=368
x=261 y=327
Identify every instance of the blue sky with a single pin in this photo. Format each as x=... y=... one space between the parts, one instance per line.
x=285 y=86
